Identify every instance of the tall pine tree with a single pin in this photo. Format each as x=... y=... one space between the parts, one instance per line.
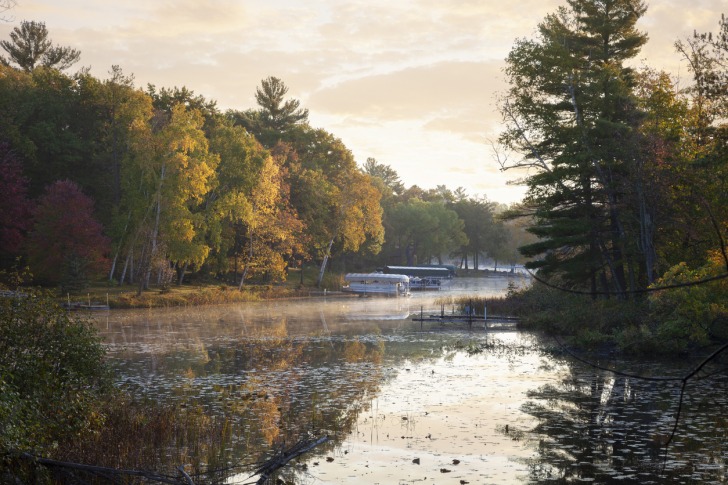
x=571 y=112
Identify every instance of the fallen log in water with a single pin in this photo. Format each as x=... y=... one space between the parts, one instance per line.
x=282 y=458
x=111 y=474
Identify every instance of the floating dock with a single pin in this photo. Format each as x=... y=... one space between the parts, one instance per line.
x=469 y=319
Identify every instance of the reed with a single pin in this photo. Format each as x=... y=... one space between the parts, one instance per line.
x=140 y=434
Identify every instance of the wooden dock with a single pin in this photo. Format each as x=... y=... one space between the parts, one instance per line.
x=471 y=320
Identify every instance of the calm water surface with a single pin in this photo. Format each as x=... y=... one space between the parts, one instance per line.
x=410 y=403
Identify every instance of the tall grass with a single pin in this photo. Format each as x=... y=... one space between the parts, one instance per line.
x=139 y=434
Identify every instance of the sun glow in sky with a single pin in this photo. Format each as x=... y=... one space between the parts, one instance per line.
x=412 y=83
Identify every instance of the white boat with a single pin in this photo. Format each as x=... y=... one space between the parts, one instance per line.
x=426 y=283
x=378 y=284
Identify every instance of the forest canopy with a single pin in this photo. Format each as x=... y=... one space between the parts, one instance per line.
x=151 y=187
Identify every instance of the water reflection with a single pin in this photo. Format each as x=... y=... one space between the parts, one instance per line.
x=601 y=427
x=404 y=404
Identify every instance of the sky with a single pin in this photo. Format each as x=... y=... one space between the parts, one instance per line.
x=411 y=83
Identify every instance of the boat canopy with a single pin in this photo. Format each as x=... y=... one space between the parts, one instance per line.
x=377 y=276
x=422 y=271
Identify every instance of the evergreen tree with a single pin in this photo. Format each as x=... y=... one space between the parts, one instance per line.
x=30 y=47
x=275 y=117
x=571 y=112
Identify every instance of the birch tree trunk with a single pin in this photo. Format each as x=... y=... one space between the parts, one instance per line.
x=324 y=263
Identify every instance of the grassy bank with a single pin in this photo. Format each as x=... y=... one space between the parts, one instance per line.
x=200 y=292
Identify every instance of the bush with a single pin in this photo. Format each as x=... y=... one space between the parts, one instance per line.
x=53 y=377
x=590 y=323
x=691 y=315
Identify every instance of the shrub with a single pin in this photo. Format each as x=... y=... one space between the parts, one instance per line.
x=53 y=377
x=691 y=315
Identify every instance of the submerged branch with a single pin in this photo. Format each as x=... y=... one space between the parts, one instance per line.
x=102 y=471
x=281 y=459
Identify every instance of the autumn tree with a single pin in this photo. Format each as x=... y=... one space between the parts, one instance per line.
x=30 y=47
x=66 y=244
x=168 y=174
x=273 y=231
x=229 y=204
x=252 y=224
x=338 y=203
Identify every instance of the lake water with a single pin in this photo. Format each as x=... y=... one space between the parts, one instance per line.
x=405 y=402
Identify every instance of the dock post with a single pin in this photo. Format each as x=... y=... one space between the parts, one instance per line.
x=485 y=316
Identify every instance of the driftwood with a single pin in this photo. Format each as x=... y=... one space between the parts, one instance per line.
x=282 y=458
x=105 y=471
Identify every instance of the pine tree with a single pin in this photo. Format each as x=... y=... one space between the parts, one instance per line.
x=30 y=47
x=571 y=112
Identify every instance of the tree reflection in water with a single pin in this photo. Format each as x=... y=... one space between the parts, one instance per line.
x=601 y=427
x=269 y=389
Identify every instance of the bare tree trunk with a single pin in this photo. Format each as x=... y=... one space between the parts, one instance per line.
x=113 y=266
x=242 y=277
x=182 y=275
x=155 y=231
x=247 y=263
x=647 y=233
x=126 y=265
x=118 y=251
x=324 y=263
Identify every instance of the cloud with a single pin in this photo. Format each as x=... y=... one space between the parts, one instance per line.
x=410 y=82
x=414 y=92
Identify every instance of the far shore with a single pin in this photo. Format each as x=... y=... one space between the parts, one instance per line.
x=109 y=295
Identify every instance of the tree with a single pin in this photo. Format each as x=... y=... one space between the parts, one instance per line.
x=425 y=230
x=170 y=172
x=571 y=113
x=39 y=117
x=275 y=117
x=278 y=114
x=339 y=205
x=706 y=133
x=15 y=207
x=389 y=177
x=30 y=47
x=274 y=232
x=165 y=99
x=66 y=242
x=484 y=234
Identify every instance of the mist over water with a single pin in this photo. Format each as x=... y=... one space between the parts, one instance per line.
x=405 y=402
